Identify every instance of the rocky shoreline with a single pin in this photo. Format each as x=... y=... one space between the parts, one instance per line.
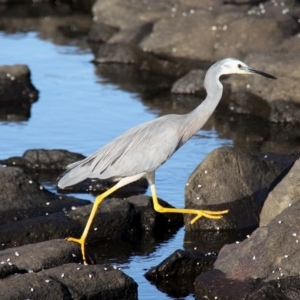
x=179 y=40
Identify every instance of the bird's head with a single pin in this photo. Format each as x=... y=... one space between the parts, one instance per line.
x=235 y=66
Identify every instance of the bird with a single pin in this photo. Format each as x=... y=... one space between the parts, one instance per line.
x=142 y=149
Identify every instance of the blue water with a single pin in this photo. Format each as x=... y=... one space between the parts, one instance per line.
x=78 y=112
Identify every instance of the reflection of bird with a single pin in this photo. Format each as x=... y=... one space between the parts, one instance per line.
x=141 y=150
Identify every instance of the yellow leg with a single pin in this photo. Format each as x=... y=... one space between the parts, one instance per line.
x=197 y=212
x=97 y=202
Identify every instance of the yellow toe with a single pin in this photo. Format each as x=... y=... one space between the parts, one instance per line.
x=81 y=242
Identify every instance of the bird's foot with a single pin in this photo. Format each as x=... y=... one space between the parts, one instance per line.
x=81 y=242
x=209 y=214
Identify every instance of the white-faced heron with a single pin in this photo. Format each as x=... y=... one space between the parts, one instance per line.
x=141 y=150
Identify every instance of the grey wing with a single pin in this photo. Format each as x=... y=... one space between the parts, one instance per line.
x=141 y=149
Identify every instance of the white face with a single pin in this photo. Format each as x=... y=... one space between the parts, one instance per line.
x=234 y=66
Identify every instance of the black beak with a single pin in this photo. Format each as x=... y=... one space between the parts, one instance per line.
x=260 y=73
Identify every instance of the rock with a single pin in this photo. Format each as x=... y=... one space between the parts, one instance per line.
x=16 y=92
x=248 y=42
x=43 y=159
x=30 y=214
x=281 y=100
x=47 y=165
x=173 y=37
x=22 y=197
x=252 y=266
x=120 y=219
x=176 y=274
x=241 y=186
x=15 y=85
x=189 y=84
x=224 y=288
x=215 y=285
x=282 y=196
x=283 y=288
x=39 y=256
x=101 y=32
x=48 y=270
x=199 y=33
x=128 y=54
x=181 y=263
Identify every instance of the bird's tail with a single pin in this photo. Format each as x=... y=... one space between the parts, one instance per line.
x=74 y=174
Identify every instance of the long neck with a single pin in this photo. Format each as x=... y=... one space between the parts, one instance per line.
x=194 y=120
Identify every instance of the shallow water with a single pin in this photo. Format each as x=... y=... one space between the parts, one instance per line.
x=80 y=109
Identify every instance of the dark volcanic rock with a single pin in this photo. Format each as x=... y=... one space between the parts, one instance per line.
x=181 y=263
x=117 y=218
x=128 y=54
x=229 y=178
x=258 y=264
x=15 y=85
x=176 y=274
x=189 y=84
x=45 y=270
x=16 y=92
x=22 y=197
x=43 y=159
x=282 y=196
x=270 y=251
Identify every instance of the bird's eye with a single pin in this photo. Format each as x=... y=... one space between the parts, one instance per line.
x=239 y=66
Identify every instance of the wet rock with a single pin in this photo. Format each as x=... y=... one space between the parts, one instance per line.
x=176 y=274
x=31 y=214
x=17 y=93
x=101 y=32
x=128 y=54
x=121 y=219
x=215 y=285
x=22 y=197
x=269 y=255
x=242 y=187
x=47 y=165
x=181 y=263
x=48 y=270
x=39 y=256
x=191 y=83
x=55 y=159
x=150 y=220
x=282 y=196
x=283 y=288
x=15 y=85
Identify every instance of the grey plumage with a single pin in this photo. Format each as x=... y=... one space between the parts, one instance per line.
x=142 y=149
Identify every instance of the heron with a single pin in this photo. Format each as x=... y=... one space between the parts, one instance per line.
x=142 y=149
